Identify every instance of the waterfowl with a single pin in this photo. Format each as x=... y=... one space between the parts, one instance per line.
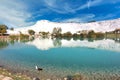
x=36 y=79
x=38 y=68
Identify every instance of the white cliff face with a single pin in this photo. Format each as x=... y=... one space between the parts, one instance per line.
x=46 y=44
x=48 y=26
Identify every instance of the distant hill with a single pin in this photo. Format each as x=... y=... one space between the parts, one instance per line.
x=47 y=26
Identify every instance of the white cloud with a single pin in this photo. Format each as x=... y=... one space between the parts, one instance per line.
x=81 y=18
x=14 y=13
x=60 y=6
x=93 y=3
x=73 y=20
x=90 y=4
x=108 y=16
x=64 y=7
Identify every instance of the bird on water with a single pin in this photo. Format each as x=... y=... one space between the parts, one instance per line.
x=38 y=68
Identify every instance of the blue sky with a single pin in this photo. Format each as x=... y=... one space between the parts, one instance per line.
x=21 y=13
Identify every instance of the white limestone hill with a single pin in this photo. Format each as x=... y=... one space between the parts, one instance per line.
x=47 y=26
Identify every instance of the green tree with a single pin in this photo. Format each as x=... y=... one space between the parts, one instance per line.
x=31 y=32
x=3 y=29
x=100 y=35
x=67 y=34
x=116 y=31
x=56 y=31
x=12 y=29
x=91 y=34
x=59 y=30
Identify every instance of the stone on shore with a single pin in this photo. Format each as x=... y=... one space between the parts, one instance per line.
x=5 y=78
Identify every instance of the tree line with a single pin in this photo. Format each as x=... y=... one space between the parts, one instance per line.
x=57 y=33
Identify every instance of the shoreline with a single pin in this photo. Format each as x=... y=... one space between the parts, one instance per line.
x=6 y=74
x=19 y=75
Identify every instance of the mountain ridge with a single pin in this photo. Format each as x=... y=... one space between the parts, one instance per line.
x=47 y=26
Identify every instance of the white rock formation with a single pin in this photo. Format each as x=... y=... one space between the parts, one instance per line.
x=47 y=26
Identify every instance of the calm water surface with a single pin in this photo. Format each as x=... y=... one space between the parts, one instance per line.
x=60 y=58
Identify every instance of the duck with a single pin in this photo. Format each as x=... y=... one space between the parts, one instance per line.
x=36 y=78
x=38 y=68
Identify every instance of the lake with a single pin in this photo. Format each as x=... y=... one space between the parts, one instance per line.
x=59 y=58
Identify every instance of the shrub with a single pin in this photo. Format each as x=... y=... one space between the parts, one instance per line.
x=56 y=31
x=67 y=34
x=24 y=37
x=31 y=32
x=3 y=29
x=99 y=35
x=14 y=37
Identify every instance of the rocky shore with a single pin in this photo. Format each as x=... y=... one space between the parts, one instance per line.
x=6 y=75
x=5 y=78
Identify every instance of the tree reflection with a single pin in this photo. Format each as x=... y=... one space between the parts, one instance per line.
x=3 y=44
x=12 y=42
x=57 y=42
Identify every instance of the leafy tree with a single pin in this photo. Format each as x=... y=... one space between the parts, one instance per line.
x=56 y=31
x=44 y=33
x=99 y=35
x=91 y=34
x=81 y=35
x=31 y=32
x=67 y=34
x=24 y=37
x=3 y=29
x=59 y=30
x=12 y=29
x=116 y=31
x=76 y=36
x=14 y=37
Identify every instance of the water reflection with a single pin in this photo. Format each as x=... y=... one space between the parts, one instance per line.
x=3 y=44
x=48 y=43
x=57 y=42
x=62 y=62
